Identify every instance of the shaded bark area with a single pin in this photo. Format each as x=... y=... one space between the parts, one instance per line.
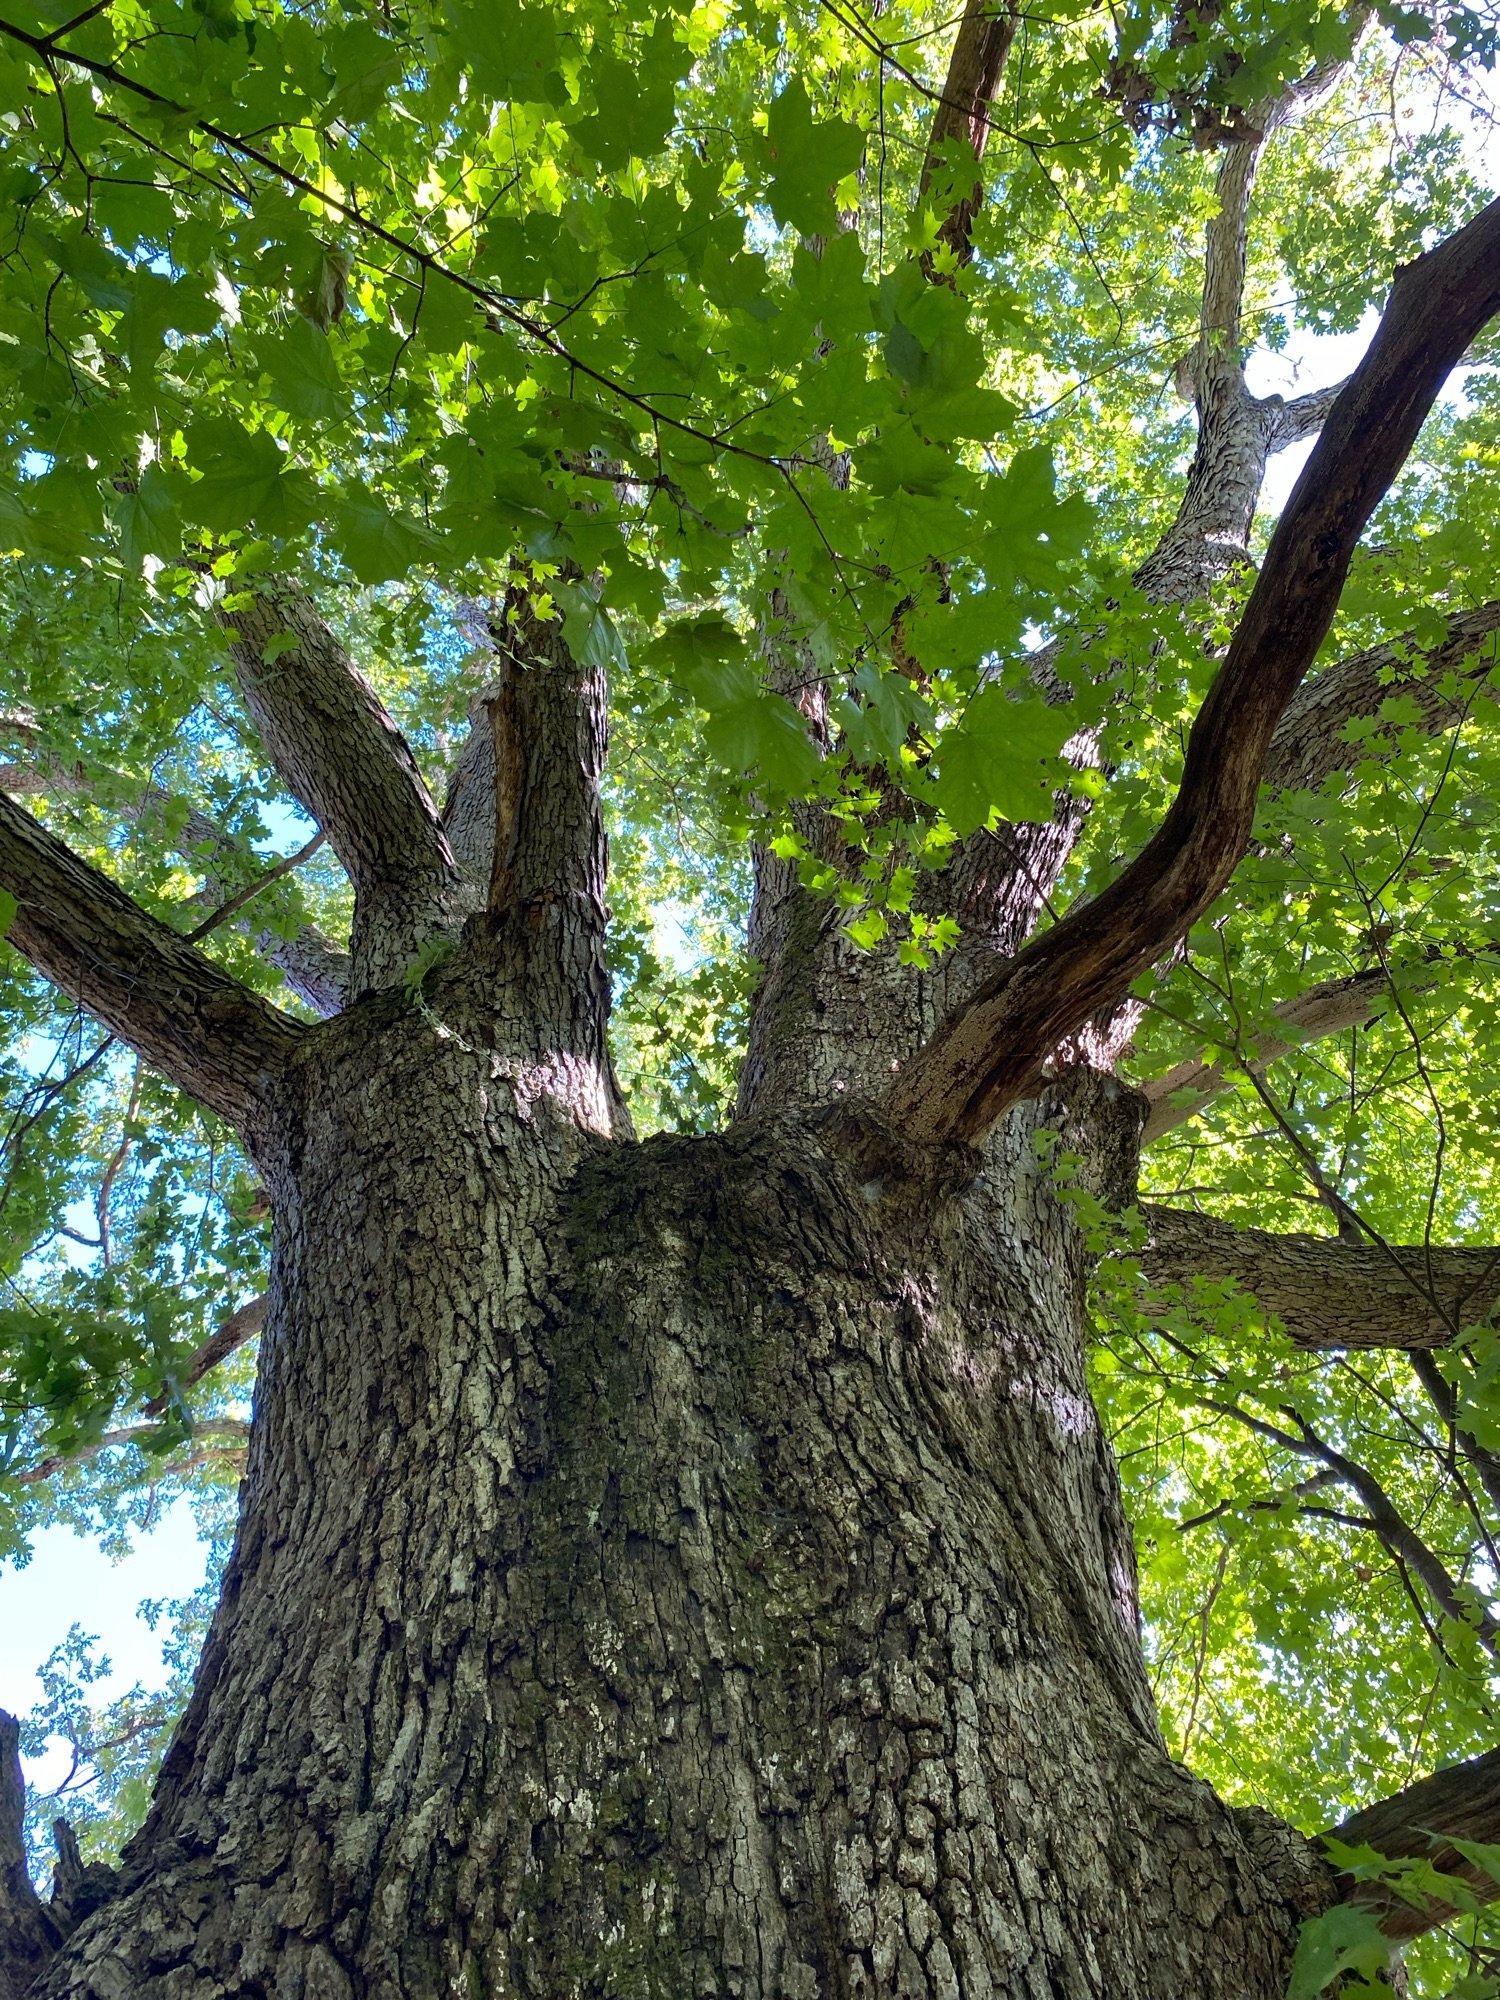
x=342 y=757
x=834 y=1023
x=29 y=1935
x=691 y=1568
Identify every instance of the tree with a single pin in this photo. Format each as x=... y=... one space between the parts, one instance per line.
x=694 y=1563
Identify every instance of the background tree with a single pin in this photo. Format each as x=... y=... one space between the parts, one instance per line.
x=695 y=1563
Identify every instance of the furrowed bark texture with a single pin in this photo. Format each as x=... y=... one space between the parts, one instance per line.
x=1329 y=1294
x=691 y=1568
x=341 y=756
x=962 y=114
x=1462 y=1802
x=316 y=969
x=143 y=981
x=28 y=1935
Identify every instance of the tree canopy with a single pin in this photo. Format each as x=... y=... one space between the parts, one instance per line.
x=837 y=379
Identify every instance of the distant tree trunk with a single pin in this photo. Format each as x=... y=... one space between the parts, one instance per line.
x=685 y=1568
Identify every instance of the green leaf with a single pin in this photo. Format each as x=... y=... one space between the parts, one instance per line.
x=1346 y=1938
x=252 y=480
x=377 y=544
x=999 y=759
x=807 y=161
x=150 y=517
x=304 y=373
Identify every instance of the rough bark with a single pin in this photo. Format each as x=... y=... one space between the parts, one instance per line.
x=1329 y=1294
x=344 y=760
x=833 y=1023
x=523 y=818
x=683 y=1569
x=144 y=982
x=1310 y=745
x=1461 y=1802
x=1237 y=432
x=316 y=969
x=690 y=1568
x=28 y=1935
x=962 y=113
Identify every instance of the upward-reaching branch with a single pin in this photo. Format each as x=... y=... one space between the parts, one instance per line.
x=525 y=821
x=313 y=965
x=993 y=1051
x=330 y=738
x=144 y=982
x=29 y=1936
x=1237 y=432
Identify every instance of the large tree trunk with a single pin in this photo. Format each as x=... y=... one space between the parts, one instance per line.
x=679 y=1568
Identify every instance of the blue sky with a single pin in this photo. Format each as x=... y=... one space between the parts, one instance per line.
x=69 y=1581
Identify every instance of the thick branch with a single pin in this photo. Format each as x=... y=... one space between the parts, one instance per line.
x=1303 y=417
x=526 y=827
x=315 y=968
x=240 y=1326
x=144 y=982
x=1210 y=532
x=338 y=751
x=1329 y=1294
x=992 y=1052
x=235 y=1432
x=975 y=68
x=1309 y=744
x=28 y=1937
x=1459 y=1803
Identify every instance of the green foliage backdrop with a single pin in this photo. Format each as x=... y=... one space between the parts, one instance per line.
x=403 y=296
